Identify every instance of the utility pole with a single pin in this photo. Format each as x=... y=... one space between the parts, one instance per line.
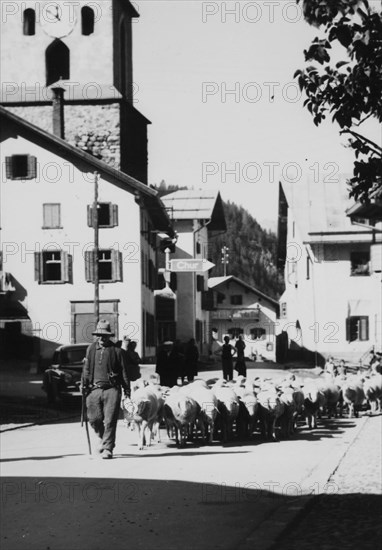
x=225 y=258
x=95 y=251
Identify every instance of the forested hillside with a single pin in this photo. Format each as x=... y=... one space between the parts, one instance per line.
x=252 y=249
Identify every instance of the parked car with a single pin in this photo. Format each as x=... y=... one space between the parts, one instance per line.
x=63 y=377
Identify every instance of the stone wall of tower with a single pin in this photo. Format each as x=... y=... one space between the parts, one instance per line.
x=92 y=128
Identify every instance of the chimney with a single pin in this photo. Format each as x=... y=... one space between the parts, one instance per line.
x=58 y=110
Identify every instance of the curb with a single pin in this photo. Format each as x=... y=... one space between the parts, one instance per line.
x=266 y=535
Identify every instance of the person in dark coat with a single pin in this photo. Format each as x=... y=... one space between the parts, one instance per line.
x=227 y=353
x=191 y=360
x=240 y=362
x=132 y=359
x=168 y=364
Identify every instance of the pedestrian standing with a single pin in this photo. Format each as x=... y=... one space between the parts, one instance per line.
x=240 y=362
x=104 y=376
x=227 y=353
x=191 y=360
x=166 y=366
x=133 y=359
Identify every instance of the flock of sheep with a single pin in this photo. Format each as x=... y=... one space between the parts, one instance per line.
x=226 y=410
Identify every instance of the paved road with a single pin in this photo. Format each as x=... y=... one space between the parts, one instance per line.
x=238 y=496
x=56 y=497
x=351 y=518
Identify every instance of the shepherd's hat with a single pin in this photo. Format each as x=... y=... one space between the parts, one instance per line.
x=103 y=328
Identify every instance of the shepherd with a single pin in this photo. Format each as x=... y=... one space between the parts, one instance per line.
x=104 y=377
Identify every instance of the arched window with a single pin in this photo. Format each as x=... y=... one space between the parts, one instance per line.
x=57 y=57
x=87 y=20
x=29 y=22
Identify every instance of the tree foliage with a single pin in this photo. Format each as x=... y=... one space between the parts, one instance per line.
x=351 y=90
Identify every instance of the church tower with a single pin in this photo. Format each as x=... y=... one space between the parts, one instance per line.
x=86 y=47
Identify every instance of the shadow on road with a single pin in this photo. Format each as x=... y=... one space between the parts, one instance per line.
x=86 y=514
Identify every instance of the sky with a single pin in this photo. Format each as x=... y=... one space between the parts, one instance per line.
x=216 y=81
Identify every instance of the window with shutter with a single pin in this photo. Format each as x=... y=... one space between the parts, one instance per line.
x=360 y=262
x=51 y=216
x=200 y=283
x=87 y=21
x=104 y=214
x=236 y=300
x=53 y=266
x=107 y=215
x=29 y=22
x=105 y=265
x=21 y=167
x=357 y=328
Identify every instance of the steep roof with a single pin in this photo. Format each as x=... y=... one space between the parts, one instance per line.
x=146 y=194
x=191 y=204
x=319 y=210
x=214 y=282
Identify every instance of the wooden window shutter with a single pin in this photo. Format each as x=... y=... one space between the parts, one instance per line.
x=150 y=274
x=113 y=215
x=200 y=283
x=51 y=215
x=38 y=267
x=89 y=266
x=90 y=216
x=67 y=268
x=116 y=262
x=9 y=167
x=348 y=329
x=364 y=328
x=32 y=167
x=173 y=281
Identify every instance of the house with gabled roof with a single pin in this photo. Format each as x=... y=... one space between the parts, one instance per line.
x=242 y=309
x=332 y=265
x=47 y=243
x=197 y=217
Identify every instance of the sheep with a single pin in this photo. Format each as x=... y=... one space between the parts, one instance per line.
x=180 y=412
x=208 y=404
x=142 y=408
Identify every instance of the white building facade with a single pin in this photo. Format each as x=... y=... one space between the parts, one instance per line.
x=47 y=243
x=332 y=300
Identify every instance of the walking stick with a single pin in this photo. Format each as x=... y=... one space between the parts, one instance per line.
x=84 y=418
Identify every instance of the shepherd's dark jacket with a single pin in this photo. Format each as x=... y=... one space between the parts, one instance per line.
x=117 y=367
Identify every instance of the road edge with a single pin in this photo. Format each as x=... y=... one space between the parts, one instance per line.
x=266 y=535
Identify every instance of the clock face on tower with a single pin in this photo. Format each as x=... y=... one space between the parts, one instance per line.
x=57 y=18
